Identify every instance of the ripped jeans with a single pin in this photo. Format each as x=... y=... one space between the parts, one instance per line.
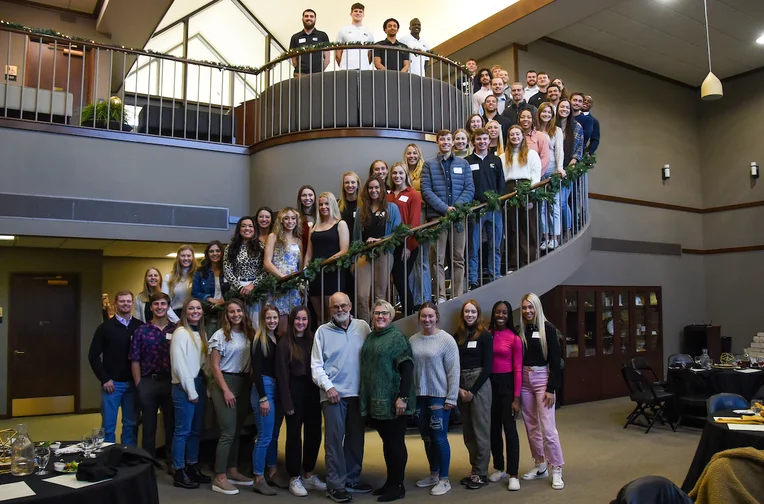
x=432 y=419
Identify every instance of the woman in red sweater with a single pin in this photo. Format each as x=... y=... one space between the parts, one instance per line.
x=506 y=382
x=409 y=203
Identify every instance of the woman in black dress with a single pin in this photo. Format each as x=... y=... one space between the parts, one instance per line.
x=329 y=237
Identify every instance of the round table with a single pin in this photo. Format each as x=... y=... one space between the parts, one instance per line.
x=717 y=437
x=731 y=381
x=132 y=485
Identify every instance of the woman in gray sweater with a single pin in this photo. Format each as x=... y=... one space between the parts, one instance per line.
x=436 y=382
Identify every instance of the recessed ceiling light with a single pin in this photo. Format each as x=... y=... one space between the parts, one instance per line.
x=7 y=237
x=175 y=254
x=760 y=40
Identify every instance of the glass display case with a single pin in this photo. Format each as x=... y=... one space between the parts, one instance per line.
x=604 y=328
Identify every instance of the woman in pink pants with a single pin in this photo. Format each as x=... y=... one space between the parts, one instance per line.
x=541 y=378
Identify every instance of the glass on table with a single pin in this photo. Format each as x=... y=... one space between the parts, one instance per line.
x=99 y=435
x=88 y=444
x=41 y=458
x=757 y=405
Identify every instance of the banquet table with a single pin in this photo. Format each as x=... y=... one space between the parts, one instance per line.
x=718 y=437
x=731 y=381
x=132 y=485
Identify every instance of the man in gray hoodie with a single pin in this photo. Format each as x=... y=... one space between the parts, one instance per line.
x=335 y=367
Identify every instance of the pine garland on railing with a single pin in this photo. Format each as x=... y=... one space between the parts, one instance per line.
x=272 y=287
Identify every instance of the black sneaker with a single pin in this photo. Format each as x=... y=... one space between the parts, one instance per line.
x=476 y=482
x=392 y=494
x=182 y=480
x=196 y=475
x=474 y=286
x=466 y=480
x=381 y=490
x=358 y=487
x=338 y=495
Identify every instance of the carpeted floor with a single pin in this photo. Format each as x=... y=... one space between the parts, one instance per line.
x=600 y=457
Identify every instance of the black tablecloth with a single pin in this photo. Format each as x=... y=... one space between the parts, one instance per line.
x=132 y=485
x=731 y=381
x=715 y=438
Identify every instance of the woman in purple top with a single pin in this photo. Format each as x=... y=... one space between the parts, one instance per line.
x=506 y=382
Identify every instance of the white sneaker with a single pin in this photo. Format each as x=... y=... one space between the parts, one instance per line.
x=429 y=481
x=443 y=486
x=297 y=488
x=540 y=471
x=313 y=483
x=551 y=245
x=514 y=484
x=496 y=476
x=442 y=300
x=543 y=245
x=557 y=482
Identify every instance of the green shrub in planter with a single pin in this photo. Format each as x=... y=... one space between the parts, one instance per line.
x=106 y=114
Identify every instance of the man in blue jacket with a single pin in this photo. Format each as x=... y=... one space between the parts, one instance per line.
x=447 y=181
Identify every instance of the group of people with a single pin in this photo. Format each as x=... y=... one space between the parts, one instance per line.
x=348 y=372
x=396 y=58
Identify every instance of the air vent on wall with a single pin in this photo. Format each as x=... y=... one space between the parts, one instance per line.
x=117 y=212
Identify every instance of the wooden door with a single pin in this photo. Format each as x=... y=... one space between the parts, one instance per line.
x=43 y=346
x=60 y=70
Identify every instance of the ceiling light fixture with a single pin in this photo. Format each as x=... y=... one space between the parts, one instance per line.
x=760 y=40
x=711 y=89
x=173 y=255
x=7 y=237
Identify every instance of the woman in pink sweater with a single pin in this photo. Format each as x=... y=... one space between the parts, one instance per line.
x=506 y=381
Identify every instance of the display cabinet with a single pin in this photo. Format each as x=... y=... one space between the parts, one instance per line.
x=604 y=328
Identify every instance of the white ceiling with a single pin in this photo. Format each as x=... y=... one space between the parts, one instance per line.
x=110 y=248
x=668 y=37
x=86 y=6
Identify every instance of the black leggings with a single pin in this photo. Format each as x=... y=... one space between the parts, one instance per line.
x=401 y=277
x=502 y=387
x=393 y=434
x=307 y=415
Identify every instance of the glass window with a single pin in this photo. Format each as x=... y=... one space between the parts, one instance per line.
x=571 y=323
x=590 y=324
x=608 y=323
x=180 y=9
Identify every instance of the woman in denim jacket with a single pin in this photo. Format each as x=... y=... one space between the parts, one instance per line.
x=209 y=284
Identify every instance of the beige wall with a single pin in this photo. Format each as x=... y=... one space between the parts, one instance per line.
x=127 y=272
x=40 y=18
x=85 y=264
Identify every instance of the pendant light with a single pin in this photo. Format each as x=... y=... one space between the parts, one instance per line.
x=711 y=89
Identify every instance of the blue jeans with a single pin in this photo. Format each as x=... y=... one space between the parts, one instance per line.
x=550 y=214
x=268 y=427
x=567 y=220
x=420 y=282
x=432 y=420
x=188 y=423
x=491 y=223
x=124 y=396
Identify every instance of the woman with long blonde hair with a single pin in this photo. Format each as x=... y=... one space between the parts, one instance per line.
x=496 y=136
x=188 y=351
x=329 y=238
x=348 y=202
x=230 y=358
x=550 y=214
x=283 y=256
x=178 y=284
x=420 y=282
x=152 y=283
x=462 y=146
x=404 y=257
x=541 y=380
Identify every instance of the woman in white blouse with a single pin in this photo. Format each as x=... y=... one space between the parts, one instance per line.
x=179 y=282
x=152 y=283
x=230 y=357
x=188 y=350
x=550 y=214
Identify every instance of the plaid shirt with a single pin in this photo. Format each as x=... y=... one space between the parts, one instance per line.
x=151 y=347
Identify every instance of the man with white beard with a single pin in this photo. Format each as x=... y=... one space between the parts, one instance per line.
x=336 y=368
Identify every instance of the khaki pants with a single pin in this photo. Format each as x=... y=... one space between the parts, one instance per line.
x=363 y=274
x=458 y=241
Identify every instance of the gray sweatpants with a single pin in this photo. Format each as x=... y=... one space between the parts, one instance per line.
x=343 y=441
x=476 y=422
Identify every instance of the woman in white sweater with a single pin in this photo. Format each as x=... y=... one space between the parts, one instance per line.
x=179 y=282
x=550 y=214
x=188 y=350
x=436 y=382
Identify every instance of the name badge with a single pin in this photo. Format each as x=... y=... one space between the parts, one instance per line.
x=404 y=198
x=354 y=214
x=301 y=41
x=168 y=336
x=472 y=344
x=492 y=165
x=536 y=335
x=474 y=167
x=458 y=169
x=315 y=39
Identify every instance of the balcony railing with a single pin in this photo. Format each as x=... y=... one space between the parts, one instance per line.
x=59 y=80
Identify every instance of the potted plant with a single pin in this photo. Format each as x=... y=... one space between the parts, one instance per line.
x=108 y=114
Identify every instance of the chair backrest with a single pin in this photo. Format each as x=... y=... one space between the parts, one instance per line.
x=633 y=379
x=642 y=364
x=654 y=489
x=679 y=359
x=726 y=401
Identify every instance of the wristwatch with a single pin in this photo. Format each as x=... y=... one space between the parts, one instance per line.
x=264 y=399
x=404 y=399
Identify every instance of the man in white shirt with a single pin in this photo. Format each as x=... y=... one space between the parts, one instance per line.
x=412 y=41
x=531 y=84
x=479 y=96
x=354 y=33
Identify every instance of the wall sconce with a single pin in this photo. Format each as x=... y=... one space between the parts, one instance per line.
x=754 y=170
x=666 y=172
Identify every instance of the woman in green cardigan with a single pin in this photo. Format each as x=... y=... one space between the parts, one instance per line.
x=387 y=394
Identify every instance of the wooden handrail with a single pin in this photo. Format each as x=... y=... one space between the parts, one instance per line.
x=426 y=225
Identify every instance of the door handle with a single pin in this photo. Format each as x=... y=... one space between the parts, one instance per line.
x=16 y=352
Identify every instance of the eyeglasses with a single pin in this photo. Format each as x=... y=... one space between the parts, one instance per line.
x=343 y=306
x=381 y=314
